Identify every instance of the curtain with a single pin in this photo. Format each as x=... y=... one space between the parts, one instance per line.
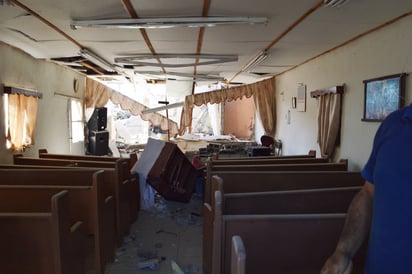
x=265 y=88
x=22 y=114
x=97 y=96
x=329 y=118
x=265 y=103
x=215 y=115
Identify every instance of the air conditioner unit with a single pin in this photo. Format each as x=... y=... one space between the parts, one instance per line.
x=335 y=3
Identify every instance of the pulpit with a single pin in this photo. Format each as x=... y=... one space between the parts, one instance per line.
x=168 y=170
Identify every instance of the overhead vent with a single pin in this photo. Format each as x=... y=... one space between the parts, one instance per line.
x=335 y=3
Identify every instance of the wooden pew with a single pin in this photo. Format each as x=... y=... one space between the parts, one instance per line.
x=320 y=200
x=273 y=161
x=280 y=243
x=43 y=153
x=341 y=165
x=133 y=186
x=245 y=181
x=124 y=186
x=311 y=154
x=297 y=243
x=310 y=201
x=90 y=202
x=42 y=242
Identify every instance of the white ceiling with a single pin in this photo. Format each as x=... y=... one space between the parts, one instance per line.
x=321 y=30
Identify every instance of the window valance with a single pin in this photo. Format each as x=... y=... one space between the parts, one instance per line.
x=265 y=87
x=25 y=92
x=97 y=96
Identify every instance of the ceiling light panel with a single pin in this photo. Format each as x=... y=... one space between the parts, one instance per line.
x=151 y=60
x=166 y=22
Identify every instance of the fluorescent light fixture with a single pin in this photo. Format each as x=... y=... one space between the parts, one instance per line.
x=138 y=60
x=335 y=3
x=96 y=59
x=166 y=22
x=198 y=77
x=256 y=61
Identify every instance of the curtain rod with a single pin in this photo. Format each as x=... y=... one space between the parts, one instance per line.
x=14 y=90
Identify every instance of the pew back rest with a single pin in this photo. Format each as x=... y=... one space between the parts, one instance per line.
x=284 y=243
x=45 y=242
x=256 y=181
x=322 y=200
x=253 y=161
x=43 y=153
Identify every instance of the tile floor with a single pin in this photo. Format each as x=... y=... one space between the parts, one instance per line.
x=170 y=232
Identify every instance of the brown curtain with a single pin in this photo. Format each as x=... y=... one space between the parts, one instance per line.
x=264 y=90
x=22 y=114
x=329 y=118
x=265 y=103
x=97 y=96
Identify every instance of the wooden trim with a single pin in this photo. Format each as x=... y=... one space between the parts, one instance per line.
x=14 y=90
x=409 y=13
x=45 y=21
x=314 y=8
x=321 y=92
x=133 y=14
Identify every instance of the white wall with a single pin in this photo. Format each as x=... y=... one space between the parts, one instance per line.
x=19 y=69
x=384 y=52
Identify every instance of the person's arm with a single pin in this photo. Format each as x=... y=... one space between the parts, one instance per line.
x=355 y=230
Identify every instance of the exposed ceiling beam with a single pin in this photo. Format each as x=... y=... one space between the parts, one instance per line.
x=133 y=14
x=283 y=34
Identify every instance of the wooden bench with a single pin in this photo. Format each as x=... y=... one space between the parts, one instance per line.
x=311 y=154
x=273 y=161
x=255 y=181
x=297 y=243
x=304 y=201
x=123 y=184
x=29 y=190
x=43 y=153
x=279 y=243
x=342 y=165
x=42 y=242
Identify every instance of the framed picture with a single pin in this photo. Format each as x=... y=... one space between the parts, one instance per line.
x=382 y=96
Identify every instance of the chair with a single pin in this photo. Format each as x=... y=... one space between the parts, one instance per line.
x=274 y=144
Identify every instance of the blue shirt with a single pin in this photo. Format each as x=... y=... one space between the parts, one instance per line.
x=389 y=169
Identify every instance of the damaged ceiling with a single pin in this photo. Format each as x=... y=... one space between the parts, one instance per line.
x=288 y=33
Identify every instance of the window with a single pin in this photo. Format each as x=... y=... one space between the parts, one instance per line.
x=20 y=112
x=76 y=125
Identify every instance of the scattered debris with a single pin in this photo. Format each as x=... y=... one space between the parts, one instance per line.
x=185 y=270
x=152 y=264
x=176 y=269
x=166 y=232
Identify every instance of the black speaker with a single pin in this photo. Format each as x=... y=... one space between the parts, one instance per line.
x=98 y=121
x=99 y=143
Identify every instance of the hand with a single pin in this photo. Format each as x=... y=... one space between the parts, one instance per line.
x=338 y=263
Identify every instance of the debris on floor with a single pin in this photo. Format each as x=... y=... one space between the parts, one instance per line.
x=176 y=269
x=169 y=233
x=152 y=264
